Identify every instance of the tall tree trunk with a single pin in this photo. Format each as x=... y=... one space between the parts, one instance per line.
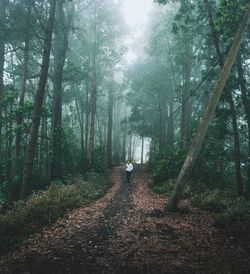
x=87 y=119
x=130 y=147
x=94 y=89
x=246 y=104
x=43 y=152
x=170 y=122
x=61 y=47
x=186 y=105
x=19 y=117
x=124 y=143
x=207 y=116
x=37 y=112
x=142 y=150
x=110 y=128
x=93 y=101
x=80 y=115
x=231 y=103
x=3 y=7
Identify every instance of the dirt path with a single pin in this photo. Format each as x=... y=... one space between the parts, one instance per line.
x=124 y=232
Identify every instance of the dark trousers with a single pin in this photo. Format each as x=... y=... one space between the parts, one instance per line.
x=128 y=174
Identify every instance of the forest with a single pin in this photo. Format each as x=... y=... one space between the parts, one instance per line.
x=83 y=91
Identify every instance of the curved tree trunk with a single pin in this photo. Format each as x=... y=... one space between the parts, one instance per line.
x=19 y=118
x=37 y=112
x=61 y=47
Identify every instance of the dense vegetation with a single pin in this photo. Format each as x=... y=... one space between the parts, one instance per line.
x=71 y=103
x=44 y=208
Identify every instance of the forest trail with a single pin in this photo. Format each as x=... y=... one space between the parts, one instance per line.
x=125 y=232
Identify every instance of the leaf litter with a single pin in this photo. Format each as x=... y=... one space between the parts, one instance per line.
x=127 y=231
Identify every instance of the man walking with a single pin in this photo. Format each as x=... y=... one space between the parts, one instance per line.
x=129 y=169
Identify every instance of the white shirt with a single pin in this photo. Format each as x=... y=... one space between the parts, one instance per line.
x=129 y=167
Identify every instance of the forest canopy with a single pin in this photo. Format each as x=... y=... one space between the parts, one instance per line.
x=73 y=100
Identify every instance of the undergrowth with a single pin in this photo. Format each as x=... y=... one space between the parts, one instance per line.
x=230 y=212
x=45 y=207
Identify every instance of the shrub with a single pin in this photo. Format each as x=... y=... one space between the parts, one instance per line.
x=168 y=167
x=45 y=207
x=237 y=211
x=99 y=163
x=163 y=187
x=210 y=200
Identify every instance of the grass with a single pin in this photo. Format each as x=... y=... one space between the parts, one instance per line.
x=45 y=207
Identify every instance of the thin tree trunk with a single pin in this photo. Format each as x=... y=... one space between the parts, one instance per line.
x=170 y=123
x=186 y=106
x=110 y=128
x=19 y=118
x=207 y=116
x=87 y=119
x=92 y=124
x=231 y=103
x=93 y=95
x=3 y=7
x=130 y=147
x=246 y=104
x=37 y=112
x=124 y=143
x=142 y=150
x=81 y=123
x=61 y=47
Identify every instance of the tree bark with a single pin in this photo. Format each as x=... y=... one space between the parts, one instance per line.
x=170 y=123
x=186 y=105
x=37 y=112
x=231 y=103
x=246 y=104
x=61 y=47
x=207 y=116
x=110 y=128
x=93 y=101
x=142 y=150
x=19 y=117
x=94 y=89
x=80 y=115
x=3 y=7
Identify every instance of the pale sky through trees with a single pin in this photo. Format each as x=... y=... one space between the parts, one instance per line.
x=136 y=14
x=136 y=11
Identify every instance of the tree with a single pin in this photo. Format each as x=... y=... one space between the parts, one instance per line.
x=20 y=116
x=37 y=112
x=3 y=7
x=62 y=28
x=231 y=102
x=207 y=116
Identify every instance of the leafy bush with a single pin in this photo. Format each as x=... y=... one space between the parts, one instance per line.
x=210 y=200
x=99 y=163
x=168 y=167
x=230 y=212
x=163 y=187
x=45 y=207
x=237 y=211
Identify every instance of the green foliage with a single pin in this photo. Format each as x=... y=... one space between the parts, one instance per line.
x=169 y=165
x=99 y=163
x=229 y=16
x=163 y=187
x=229 y=211
x=45 y=207
x=210 y=200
